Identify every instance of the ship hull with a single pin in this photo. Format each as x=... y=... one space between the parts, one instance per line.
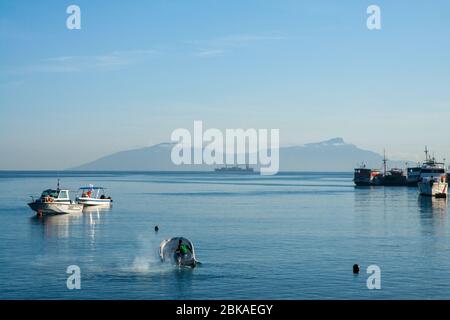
x=394 y=182
x=55 y=208
x=362 y=183
x=94 y=202
x=412 y=183
x=437 y=189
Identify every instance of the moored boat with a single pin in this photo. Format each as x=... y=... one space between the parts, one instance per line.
x=235 y=169
x=93 y=196
x=55 y=201
x=394 y=178
x=433 y=178
x=413 y=176
x=363 y=176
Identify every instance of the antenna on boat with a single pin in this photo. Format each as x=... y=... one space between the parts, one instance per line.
x=426 y=153
x=57 y=186
x=384 y=161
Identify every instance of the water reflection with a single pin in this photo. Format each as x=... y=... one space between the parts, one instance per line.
x=433 y=212
x=57 y=225
x=92 y=217
x=63 y=225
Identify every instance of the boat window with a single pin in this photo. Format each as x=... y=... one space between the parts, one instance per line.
x=433 y=171
x=63 y=194
x=49 y=192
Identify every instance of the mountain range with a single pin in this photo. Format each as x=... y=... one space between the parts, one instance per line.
x=330 y=155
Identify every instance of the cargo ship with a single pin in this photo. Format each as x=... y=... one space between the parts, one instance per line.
x=373 y=177
x=234 y=169
x=364 y=177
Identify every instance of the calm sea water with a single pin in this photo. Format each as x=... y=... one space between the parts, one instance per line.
x=290 y=236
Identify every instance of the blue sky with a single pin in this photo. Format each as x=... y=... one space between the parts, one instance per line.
x=137 y=70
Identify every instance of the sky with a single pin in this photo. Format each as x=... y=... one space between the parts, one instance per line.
x=137 y=70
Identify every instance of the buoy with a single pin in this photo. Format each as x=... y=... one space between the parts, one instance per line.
x=355 y=268
x=156 y=228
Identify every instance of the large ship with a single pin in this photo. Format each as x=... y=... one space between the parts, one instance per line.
x=394 y=177
x=372 y=177
x=234 y=169
x=413 y=175
x=365 y=177
x=433 y=178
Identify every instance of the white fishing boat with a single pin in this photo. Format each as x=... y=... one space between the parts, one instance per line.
x=55 y=201
x=93 y=196
x=433 y=178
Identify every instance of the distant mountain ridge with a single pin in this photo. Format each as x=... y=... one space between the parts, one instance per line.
x=329 y=155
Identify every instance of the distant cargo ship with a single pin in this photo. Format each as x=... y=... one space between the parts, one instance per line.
x=365 y=177
x=397 y=177
x=234 y=169
x=394 y=178
x=433 y=178
x=374 y=177
x=415 y=173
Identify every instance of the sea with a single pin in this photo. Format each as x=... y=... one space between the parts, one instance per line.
x=288 y=236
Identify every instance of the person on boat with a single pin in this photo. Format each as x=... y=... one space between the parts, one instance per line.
x=182 y=250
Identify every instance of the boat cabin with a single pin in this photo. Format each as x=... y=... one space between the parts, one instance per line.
x=58 y=195
x=92 y=192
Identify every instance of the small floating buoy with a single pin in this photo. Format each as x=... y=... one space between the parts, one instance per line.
x=355 y=268
x=156 y=229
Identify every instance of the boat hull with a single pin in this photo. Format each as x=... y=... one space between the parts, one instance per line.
x=362 y=183
x=94 y=202
x=55 y=208
x=412 y=183
x=437 y=189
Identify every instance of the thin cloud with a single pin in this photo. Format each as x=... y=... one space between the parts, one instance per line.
x=218 y=46
x=243 y=39
x=110 y=61
x=209 y=53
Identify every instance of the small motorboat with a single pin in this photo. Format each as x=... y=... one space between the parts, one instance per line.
x=55 y=201
x=93 y=196
x=169 y=251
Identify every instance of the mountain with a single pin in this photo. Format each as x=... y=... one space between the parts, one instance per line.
x=330 y=155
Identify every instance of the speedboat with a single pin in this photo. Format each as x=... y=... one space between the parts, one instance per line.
x=168 y=252
x=93 y=196
x=433 y=178
x=55 y=201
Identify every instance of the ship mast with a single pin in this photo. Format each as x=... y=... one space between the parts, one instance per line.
x=384 y=161
x=426 y=153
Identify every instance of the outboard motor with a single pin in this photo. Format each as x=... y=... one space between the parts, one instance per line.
x=169 y=251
